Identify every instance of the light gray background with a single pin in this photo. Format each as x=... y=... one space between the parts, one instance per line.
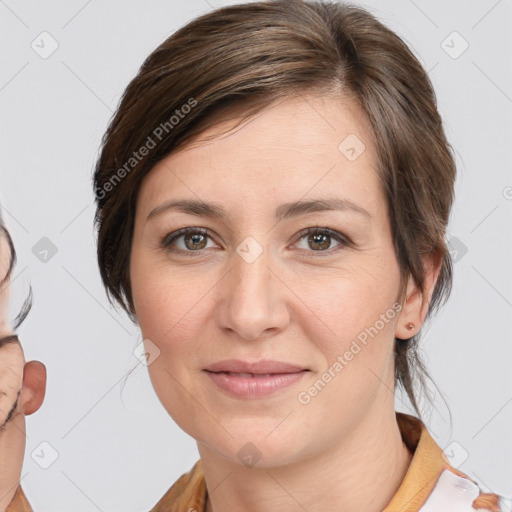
x=121 y=451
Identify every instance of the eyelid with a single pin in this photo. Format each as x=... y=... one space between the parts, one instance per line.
x=170 y=237
x=327 y=231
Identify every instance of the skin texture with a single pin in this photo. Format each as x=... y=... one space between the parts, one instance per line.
x=22 y=390
x=209 y=305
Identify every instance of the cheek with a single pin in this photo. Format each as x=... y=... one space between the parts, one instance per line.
x=173 y=309
x=345 y=301
x=165 y=313
x=159 y=295
x=353 y=329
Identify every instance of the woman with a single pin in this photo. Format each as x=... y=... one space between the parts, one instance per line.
x=272 y=200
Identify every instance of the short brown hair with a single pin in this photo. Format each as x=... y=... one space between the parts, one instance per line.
x=246 y=56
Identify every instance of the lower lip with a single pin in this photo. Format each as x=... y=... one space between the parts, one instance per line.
x=254 y=387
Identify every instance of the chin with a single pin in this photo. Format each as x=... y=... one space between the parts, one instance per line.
x=256 y=445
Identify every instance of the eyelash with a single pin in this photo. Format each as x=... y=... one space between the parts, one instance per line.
x=344 y=241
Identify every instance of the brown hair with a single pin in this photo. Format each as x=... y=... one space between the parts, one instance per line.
x=243 y=57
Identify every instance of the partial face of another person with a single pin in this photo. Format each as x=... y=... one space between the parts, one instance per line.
x=22 y=389
x=11 y=354
x=267 y=281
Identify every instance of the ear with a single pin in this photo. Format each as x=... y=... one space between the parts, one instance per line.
x=416 y=304
x=34 y=387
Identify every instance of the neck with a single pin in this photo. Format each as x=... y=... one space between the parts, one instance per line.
x=362 y=472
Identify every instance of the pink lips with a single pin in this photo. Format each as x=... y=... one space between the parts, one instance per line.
x=253 y=380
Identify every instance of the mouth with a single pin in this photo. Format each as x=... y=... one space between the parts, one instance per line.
x=241 y=379
x=266 y=367
x=248 y=375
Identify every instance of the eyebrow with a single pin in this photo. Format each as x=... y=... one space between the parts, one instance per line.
x=284 y=211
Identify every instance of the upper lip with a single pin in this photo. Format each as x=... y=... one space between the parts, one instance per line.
x=259 y=367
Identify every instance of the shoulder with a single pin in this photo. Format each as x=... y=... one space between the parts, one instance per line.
x=188 y=493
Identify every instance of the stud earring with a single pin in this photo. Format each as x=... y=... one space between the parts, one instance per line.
x=410 y=326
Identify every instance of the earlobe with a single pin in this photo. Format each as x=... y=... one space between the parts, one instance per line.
x=407 y=325
x=415 y=307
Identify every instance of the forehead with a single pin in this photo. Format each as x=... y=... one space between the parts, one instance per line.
x=305 y=143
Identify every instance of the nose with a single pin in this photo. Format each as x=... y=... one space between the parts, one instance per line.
x=253 y=300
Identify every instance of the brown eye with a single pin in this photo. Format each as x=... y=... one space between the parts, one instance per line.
x=196 y=240
x=193 y=240
x=319 y=240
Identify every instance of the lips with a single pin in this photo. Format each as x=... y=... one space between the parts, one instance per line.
x=245 y=380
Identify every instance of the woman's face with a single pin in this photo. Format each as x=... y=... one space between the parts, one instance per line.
x=256 y=286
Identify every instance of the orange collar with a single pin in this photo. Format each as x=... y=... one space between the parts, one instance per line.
x=427 y=463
